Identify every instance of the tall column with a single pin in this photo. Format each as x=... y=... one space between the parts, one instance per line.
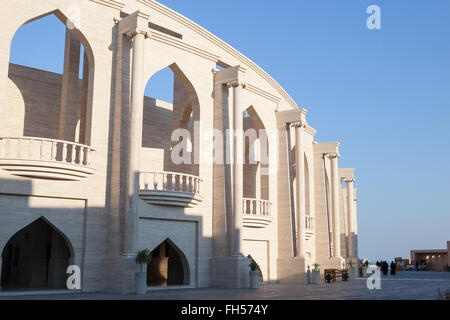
x=301 y=189
x=84 y=102
x=135 y=136
x=350 y=214
x=238 y=172
x=335 y=204
x=69 y=95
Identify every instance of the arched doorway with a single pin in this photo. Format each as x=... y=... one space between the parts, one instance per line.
x=36 y=257
x=168 y=267
x=260 y=274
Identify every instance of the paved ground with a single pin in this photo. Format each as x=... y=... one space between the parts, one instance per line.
x=406 y=285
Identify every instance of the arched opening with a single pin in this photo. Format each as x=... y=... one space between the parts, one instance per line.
x=256 y=178
x=261 y=277
x=171 y=104
x=36 y=257
x=49 y=93
x=168 y=266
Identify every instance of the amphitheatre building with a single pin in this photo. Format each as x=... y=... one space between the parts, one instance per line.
x=93 y=169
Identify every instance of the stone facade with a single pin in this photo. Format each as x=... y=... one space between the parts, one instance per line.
x=88 y=159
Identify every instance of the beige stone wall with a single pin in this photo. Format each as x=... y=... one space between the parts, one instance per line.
x=157 y=129
x=94 y=213
x=323 y=209
x=343 y=221
x=33 y=102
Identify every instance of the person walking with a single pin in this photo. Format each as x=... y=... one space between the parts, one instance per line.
x=385 y=268
x=393 y=268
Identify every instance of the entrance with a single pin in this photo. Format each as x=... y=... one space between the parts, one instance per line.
x=36 y=257
x=168 y=267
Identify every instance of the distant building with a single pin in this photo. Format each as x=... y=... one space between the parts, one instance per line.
x=431 y=260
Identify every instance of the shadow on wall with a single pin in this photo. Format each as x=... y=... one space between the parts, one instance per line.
x=157 y=126
x=40 y=92
x=36 y=256
x=41 y=236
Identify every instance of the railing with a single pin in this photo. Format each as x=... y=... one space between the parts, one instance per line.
x=257 y=213
x=170 y=181
x=258 y=207
x=170 y=189
x=309 y=225
x=31 y=148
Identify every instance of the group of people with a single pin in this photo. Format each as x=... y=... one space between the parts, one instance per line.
x=384 y=267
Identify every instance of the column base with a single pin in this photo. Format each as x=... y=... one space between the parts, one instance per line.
x=291 y=270
x=121 y=274
x=230 y=272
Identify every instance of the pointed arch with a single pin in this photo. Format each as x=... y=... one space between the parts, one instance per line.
x=183 y=112
x=261 y=276
x=63 y=18
x=256 y=144
x=36 y=256
x=80 y=126
x=168 y=266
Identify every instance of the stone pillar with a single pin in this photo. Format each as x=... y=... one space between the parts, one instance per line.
x=84 y=102
x=135 y=137
x=355 y=225
x=350 y=215
x=70 y=103
x=335 y=205
x=229 y=267
x=300 y=185
x=238 y=161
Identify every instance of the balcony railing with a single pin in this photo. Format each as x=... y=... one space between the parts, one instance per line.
x=45 y=158
x=309 y=226
x=257 y=213
x=170 y=189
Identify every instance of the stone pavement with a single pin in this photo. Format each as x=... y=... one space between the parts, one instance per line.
x=404 y=286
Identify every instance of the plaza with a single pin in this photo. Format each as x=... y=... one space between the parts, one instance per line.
x=404 y=286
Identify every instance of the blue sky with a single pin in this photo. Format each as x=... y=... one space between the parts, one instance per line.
x=384 y=94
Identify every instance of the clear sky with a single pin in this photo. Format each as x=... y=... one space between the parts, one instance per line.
x=384 y=94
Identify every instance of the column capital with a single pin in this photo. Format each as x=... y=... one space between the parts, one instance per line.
x=333 y=155
x=350 y=179
x=133 y=33
x=236 y=83
x=299 y=124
